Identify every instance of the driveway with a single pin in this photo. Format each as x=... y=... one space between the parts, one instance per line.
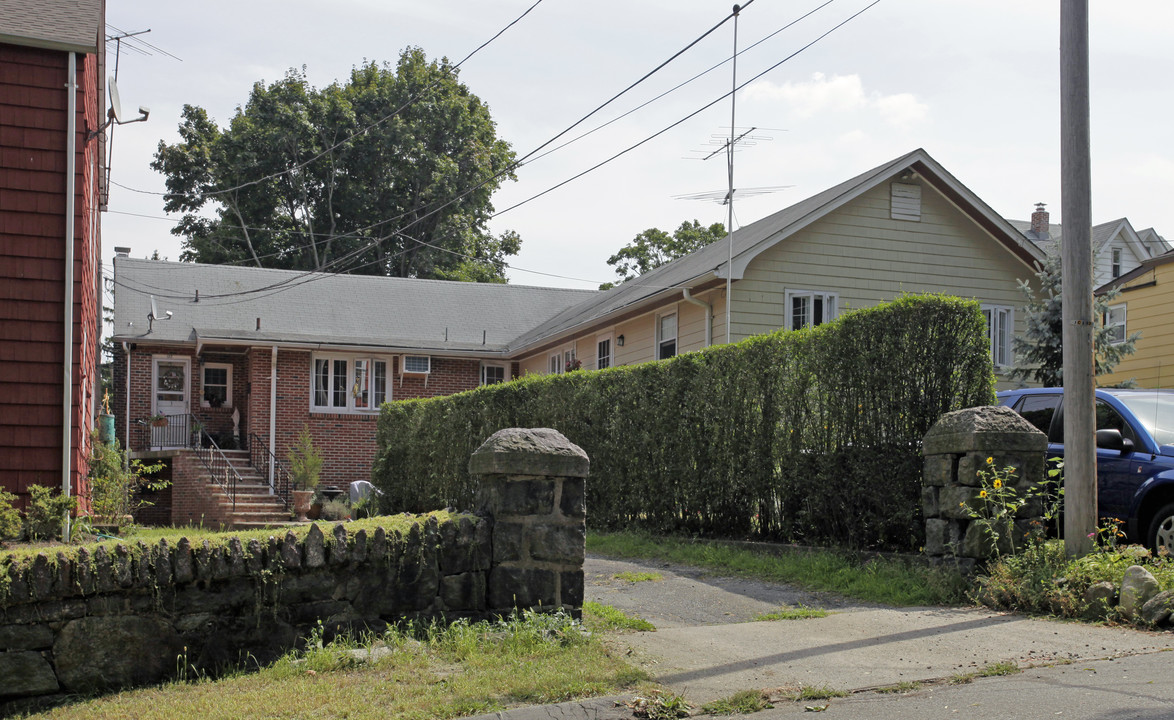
x=708 y=645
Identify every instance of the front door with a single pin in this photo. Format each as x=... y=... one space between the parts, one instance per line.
x=171 y=381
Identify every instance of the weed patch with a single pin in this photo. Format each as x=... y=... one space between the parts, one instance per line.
x=740 y=703
x=602 y=618
x=635 y=577
x=801 y=612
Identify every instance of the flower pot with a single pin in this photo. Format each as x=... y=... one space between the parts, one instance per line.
x=301 y=503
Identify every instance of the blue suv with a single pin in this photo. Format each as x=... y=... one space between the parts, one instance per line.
x=1135 y=453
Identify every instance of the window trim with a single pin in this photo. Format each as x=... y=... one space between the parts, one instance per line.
x=505 y=372
x=228 y=382
x=1009 y=333
x=350 y=358
x=1115 y=262
x=661 y=340
x=609 y=338
x=831 y=306
x=1124 y=324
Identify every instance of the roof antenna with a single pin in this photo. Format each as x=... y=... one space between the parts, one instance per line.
x=154 y=315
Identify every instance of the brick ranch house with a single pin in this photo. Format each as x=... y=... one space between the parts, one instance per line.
x=52 y=55
x=279 y=350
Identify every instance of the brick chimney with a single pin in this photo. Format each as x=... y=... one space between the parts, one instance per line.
x=1039 y=220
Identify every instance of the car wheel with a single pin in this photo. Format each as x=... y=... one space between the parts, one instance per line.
x=1162 y=529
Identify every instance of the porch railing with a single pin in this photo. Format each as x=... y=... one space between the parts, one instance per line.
x=222 y=471
x=262 y=458
x=161 y=432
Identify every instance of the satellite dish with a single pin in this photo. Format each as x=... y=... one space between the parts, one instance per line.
x=154 y=309
x=115 y=103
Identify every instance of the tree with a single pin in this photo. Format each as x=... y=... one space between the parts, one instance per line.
x=390 y=173
x=1040 y=353
x=653 y=248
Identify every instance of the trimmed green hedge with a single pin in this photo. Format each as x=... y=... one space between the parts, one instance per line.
x=811 y=436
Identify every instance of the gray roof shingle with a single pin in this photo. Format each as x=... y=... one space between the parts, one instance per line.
x=68 y=25
x=326 y=309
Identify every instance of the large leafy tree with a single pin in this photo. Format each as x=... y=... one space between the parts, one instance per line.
x=389 y=173
x=653 y=248
x=1040 y=353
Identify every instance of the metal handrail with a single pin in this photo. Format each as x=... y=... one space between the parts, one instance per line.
x=222 y=471
x=261 y=457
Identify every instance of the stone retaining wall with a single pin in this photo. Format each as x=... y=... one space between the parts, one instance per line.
x=142 y=613
x=956 y=449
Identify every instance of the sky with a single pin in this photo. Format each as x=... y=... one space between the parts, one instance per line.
x=973 y=82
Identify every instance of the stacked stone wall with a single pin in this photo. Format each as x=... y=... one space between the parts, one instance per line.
x=957 y=449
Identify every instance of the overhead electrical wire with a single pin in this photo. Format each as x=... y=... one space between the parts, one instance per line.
x=313 y=274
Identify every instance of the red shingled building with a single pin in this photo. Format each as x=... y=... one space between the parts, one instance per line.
x=51 y=194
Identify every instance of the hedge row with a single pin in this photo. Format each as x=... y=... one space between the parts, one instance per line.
x=810 y=436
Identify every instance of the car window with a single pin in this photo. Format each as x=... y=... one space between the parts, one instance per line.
x=1110 y=419
x=1039 y=410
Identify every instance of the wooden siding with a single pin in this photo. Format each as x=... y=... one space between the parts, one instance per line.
x=864 y=256
x=1148 y=309
x=33 y=147
x=1103 y=263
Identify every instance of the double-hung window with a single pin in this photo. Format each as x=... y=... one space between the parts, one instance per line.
x=666 y=336
x=1115 y=323
x=1000 y=323
x=603 y=353
x=808 y=308
x=1116 y=262
x=348 y=384
x=217 y=385
x=493 y=374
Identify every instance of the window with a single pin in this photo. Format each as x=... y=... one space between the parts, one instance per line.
x=1115 y=323
x=1116 y=262
x=564 y=361
x=492 y=374
x=421 y=364
x=348 y=383
x=217 y=385
x=1039 y=410
x=603 y=353
x=666 y=336
x=808 y=308
x=1000 y=322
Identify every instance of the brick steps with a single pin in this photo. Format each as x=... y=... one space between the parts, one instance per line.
x=255 y=506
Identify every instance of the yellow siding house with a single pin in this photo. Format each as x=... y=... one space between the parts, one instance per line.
x=906 y=226
x=1144 y=305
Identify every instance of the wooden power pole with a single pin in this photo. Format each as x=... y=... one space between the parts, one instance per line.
x=1080 y=460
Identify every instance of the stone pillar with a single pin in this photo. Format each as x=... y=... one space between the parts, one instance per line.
x=956 y=448
x=532 y=485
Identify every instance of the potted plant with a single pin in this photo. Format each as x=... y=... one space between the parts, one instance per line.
x=305 y=465
x=157 y=420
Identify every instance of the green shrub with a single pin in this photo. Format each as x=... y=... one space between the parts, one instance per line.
x=115 y=481
x=10 y=525
x=810 y=436
x=305 y=461
x=47 y=512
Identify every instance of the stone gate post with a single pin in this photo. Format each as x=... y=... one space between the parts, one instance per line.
x=956 y=448
x=532 y=485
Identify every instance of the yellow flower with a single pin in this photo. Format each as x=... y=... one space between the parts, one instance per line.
x=998 y=483
x=982 y=493
x=961 y=504
x=990 y=461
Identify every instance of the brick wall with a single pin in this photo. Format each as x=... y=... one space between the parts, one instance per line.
x=347 y=440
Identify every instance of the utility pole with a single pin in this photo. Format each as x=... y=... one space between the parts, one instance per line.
x=1080 y=461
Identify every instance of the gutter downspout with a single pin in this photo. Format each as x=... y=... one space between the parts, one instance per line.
x=67 y=360
x=272 y=416
x=688 y=297
x=126 y=349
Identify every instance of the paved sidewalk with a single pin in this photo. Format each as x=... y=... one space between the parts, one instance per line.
x=708 y=646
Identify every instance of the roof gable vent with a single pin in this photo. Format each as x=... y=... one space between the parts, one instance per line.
x=906 y=201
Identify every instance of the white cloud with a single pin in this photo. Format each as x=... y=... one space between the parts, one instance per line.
x=839 y=94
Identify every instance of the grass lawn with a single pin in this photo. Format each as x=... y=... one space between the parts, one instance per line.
x=437 y=672
x=893 y=582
